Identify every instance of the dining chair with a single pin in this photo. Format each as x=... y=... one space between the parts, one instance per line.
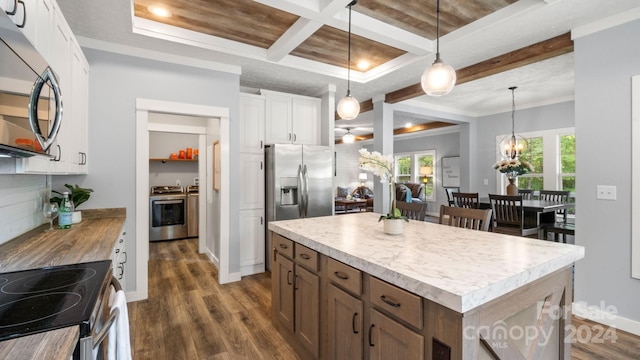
x=527 y=194
x=556 y=195
x=450 y=191
x=466 y=200
x=508 y=216
x=468 y=218
x=412 y=210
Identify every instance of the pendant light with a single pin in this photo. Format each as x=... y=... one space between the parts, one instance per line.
x=440 y=78
x=512 y=145
x=349 y=107
x=348 y=138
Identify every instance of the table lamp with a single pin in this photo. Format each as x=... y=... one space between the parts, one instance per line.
x=363 y=177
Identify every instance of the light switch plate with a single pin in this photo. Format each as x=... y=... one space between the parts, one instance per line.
x=605 y=192
x=486 y=181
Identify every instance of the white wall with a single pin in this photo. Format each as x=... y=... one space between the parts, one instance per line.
x=21 y=199
x=604 y=64
x=115 y=83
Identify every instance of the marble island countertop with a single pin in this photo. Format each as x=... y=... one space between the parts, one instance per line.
x=458 y=268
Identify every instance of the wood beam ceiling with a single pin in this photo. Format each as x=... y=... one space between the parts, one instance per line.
x=415 y=128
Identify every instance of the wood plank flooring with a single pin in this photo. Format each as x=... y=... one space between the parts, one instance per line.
x=190 y=316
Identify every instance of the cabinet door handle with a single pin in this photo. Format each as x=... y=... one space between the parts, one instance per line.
x=283 y=246
x=295 y=282
x=57 y=158
x=125 y=257
x=15 y=8
x=341 y=275
x=389 y=301
x=289 y=137
x=353 y=323
x=370 y=335
x=260 y=144
x=24 y=18
x=289 y=282
x=260 y=165
x=275 y=252
x=294 y=138
x=305 y=256
x=261 y=220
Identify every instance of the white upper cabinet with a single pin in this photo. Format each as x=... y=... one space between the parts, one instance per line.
x=252 y=123
x=291 y=119
x=52 y=37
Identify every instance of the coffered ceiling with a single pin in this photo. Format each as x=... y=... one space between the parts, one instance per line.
x=300 y=46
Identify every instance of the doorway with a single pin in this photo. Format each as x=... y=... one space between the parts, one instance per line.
x=209 y=124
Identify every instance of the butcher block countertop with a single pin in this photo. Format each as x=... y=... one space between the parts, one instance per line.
x=91 y=240
x=457 y=268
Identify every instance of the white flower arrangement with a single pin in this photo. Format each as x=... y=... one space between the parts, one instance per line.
x=513 y=167
x=382 y=166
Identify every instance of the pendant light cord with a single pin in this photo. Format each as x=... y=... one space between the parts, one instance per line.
x=438 y=30
x=349 y=53
x=513 y=109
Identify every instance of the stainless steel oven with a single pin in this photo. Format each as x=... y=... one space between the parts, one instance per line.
x=168 y=213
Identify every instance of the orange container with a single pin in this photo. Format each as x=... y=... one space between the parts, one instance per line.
x=174 y=156
x=189 y=153
x=181 y=156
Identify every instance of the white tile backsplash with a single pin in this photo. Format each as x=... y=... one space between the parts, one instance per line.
x=21 y=198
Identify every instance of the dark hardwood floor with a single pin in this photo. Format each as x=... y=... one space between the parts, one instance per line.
x=190 y=316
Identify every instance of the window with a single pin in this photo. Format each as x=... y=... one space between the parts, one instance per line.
x=408 y=166
x=553 y=156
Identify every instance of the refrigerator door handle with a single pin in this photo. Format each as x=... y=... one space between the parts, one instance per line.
x=305 y=176
x=300 y=192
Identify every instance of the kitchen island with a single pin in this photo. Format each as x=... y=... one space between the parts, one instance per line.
x=93 y=239
x=344 y=289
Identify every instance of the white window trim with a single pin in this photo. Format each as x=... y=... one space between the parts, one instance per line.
x=551 y=158
x=415 y=170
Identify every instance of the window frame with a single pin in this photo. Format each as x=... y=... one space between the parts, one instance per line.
x=414 y=171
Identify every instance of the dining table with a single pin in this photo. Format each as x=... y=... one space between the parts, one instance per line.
x=536 y=211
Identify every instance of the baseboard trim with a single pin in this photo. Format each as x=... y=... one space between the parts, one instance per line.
x=135 y=296
x=252 y=269
x=599 y=315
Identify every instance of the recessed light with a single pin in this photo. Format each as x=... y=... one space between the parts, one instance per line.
x=159 y=11
x=363 y=65
x=408 y=125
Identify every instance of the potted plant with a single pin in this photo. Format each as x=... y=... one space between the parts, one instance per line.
x=382 y=166
x=78 y=195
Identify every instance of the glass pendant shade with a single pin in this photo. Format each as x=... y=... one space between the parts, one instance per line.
x=348 y=107
x=439 y=79
x=348 y=138
x=512 y=146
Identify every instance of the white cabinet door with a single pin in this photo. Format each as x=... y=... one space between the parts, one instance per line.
x=252 y=123
x=252 y=181
x=306 y=120
x=78 y=111
x=278 y=118
x=251 y=239
x=44 y=31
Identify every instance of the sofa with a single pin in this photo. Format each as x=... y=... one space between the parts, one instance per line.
x=410 y=192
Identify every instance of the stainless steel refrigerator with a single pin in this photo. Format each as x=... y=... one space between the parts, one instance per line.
x=299 y=184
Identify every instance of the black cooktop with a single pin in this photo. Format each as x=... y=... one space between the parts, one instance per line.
x=37 y=300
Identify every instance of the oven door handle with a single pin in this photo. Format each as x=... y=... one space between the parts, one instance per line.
x=167 y=202
x=113 y=315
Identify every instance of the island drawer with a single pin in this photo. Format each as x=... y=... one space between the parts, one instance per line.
x=283 y=245
x=397 y=302
x=306 y=257
x=345 y=276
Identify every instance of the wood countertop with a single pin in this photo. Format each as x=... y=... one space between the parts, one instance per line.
x=457 y=268
x=91 y=240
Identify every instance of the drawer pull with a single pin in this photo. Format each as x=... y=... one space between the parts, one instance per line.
x=289 y=282
x=275 y=252
x=389 y=301
x=305 y=256
x=341 y=275
x=370 y=334
x=283 y=246
x=353 y=323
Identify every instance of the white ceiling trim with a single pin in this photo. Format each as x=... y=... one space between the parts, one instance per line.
x=292 y=38
x=606 y=23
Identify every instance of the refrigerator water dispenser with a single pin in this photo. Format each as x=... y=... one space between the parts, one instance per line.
x=288 y=191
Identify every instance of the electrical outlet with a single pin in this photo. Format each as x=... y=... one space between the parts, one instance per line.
x=178 y=183
x=605 y=192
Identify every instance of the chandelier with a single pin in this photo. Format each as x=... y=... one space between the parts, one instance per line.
x=440 y=78
x=512 y=145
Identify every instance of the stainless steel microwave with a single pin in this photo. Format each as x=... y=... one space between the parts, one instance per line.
x=30 y=96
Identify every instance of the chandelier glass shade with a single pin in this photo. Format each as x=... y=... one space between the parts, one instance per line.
x=440 y=78
x=348 y=107
x=348 y=138
x=512 y=146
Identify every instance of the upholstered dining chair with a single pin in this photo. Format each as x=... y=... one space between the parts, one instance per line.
x=468 y=218
x=466 y=200
x=508 y=216
x=412 y=210
x=527 y=194
x=450 y=191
